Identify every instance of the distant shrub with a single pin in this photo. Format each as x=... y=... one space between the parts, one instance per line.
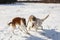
x=7 y=1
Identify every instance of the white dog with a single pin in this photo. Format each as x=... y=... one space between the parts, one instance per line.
x=34 y=22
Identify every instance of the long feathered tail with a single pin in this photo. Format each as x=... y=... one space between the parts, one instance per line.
x=45 y=17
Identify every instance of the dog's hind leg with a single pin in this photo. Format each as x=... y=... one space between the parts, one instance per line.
x=41 y=27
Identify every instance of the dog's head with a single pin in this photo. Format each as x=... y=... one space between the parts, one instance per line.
x=32 y=18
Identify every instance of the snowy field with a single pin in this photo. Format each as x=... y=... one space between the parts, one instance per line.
x=51 y=26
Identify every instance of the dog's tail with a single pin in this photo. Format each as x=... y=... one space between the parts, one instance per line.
x=9 y=23
x=45 y=17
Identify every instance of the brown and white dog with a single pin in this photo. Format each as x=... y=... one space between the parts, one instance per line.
x=34 y=22
x=19 y=21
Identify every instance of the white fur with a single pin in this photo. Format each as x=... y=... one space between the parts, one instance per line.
x=37 y=23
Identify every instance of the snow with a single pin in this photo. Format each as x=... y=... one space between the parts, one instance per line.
x=51 y=26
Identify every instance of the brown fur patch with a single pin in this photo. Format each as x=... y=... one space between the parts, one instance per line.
x=17 y=20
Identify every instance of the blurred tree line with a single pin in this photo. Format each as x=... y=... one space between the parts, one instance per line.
x=42 y=1
x=7 y=1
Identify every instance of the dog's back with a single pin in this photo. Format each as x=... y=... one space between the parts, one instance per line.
x=17 y=20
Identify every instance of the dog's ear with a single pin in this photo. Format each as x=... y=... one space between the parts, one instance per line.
x=34 y=18
x=24 y=20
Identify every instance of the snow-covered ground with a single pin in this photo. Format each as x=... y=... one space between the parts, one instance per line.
x=51 y=26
